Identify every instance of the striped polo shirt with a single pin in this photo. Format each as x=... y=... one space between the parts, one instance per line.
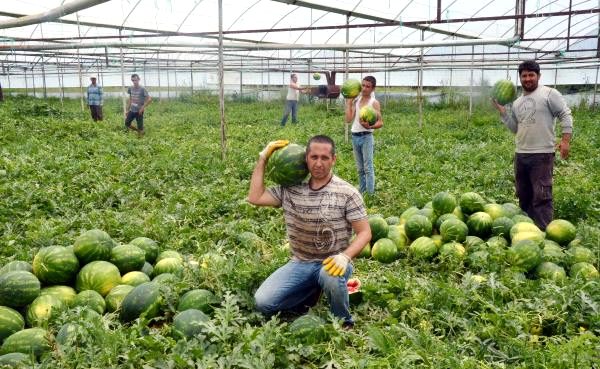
x=319 y=223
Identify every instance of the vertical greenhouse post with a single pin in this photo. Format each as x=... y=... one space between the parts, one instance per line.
x=595 y=88
x=471 y=83
x=191 y=78
x=420 y=83
x=346 y=72
x=221 y=87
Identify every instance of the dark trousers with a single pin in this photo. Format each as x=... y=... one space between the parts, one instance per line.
x=139 y=118
x=533 y=183
x=96 y=111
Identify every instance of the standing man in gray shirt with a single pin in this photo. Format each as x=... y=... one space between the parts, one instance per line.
x=137 y=103
x=531 y=118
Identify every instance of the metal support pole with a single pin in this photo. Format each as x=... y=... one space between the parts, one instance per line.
x=79 y=66
x=420 y=82
x=60 y=83
x=33 y=81
x=26 y=87
x=347 y=52
x=595 y=88
x=123 y=91
x=168 y=80
x=44 y=78
x=471 y=85
x=555 y=76
x=385 y=79
x=221 y=86
x=191 y=78
x=158 y=74
x=175 y=78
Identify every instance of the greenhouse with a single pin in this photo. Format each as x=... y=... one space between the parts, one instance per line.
x=156 y=193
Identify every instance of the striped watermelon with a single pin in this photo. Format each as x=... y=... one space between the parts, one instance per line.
x=584 y=270
x=100 y=276
x=384 y=250
x=308 y=329
x=443 y=203
x=16 y=265
x=417 y=226
x=351 y=88
x=18 y=288
x=16 y=360
x=55 y=265
x=67 y=334
x=92 y=300
x=135 y=278
x=368 y=114
x=169 y=254
x=144 y=301
x=454 y=230
x=494 y=210
x=423 y=248
x=148 y=269
x=169 y=265
x=554 y=253
x=93 y=245
x=149 y=246
x=561 y=231
x=379 y=228
x=480 y=224
x=452 y=251
x=66 y=294
x=551 y=271
x=525 y=255
x=287 y=166
x=199 y=299
x=44 y=309
x=115 y=297
x=127 y=258
x=166 y=278
x=501 y=227
x=11 y=321
x=32 y=341
x=189 y=323
x=504 y=92
x=471 y=202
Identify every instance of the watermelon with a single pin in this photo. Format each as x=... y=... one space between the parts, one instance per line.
x=66 y=294
x=144 y=301
x=442 y=218
x=471 y=202
x=368 y=114
x=459 y=213
x=497 y=242
x=437 y=239
x=135 y=278
x=480 y=224
x=355 y=295
x=92 y=245
x=16 y=265
x=443 y=203
x=511 y=209
x=148 y=269
x=18 y=288
x=379 y=228
x=166 y=278
x=494 y=210
x=351 y=88
x=522 y=218
x=169 y=254
x=554 y=253
x=423 y=248
x=16 y=360
x=365 y=252
x=308 y=329
x=578 y=254
x=44 y=309
x=115 y=297
x=127 y=258
x=67 y=334
x=479 y=260
x=55 y=265
x=408 y=213
x=32 y=341
x=429 y=213
x=454 y=230
x=504 y=92
x=417 y=226
x=525 y=255
x=316 y=76
x=501 y=226
x=100 y=276
x=169 y=265
x=91 y=299
x=396 y=234
x=549 y=270
x=561 y=231
x=189 y=323
x=393 y=220
x=537 y=237
x=474 y=243
x=384 y=250
x=11 y=321
x=199 y=299
x=452 y=251
x=149 y=246
x=287 y=166
x=523 y=227
x=583 y=270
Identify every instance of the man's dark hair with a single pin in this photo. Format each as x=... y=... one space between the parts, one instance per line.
x=321 y=139
x=371 y=79
x=135 y=75
x=529 y=65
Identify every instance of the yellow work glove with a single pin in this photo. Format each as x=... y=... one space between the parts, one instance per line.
x=336 y=265
x=271 y=147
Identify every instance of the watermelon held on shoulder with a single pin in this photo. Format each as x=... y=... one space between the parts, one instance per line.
x=351 y=88
x=316 y=76
x=368 y=114
x=504 y=92
x=287 y=166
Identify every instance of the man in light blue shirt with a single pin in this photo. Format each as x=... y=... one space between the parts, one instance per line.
x=94 y=98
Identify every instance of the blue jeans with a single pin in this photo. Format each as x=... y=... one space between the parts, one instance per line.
x=290 y=106
x=290 y=286
x=139 y=118
x=363 y=147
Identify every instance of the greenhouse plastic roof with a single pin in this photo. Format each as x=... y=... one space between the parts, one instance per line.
x=262 y=34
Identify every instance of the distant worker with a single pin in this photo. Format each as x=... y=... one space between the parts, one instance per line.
x=291 y=102
x=95 y=99
x=531 y=118
x=362 y=134
x=139 y=99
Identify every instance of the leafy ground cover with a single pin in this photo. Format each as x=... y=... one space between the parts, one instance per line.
x=61 y=174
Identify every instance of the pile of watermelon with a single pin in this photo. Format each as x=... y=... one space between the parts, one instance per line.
x=95 y=275
x=483 y=237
